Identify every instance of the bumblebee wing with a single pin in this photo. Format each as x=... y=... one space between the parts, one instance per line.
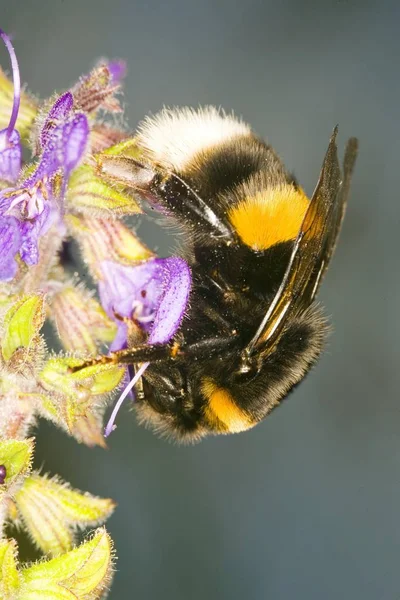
x=313 y=247
x=334 y=222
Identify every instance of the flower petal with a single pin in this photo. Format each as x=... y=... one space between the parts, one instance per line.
x=31 y=231
x=153 y=292
x=124 y=286
x=171 y=309
x=76 y=136
x=9 y=245
x=160 y=287
x=58 y=112
x=117 y=70
x=10 y=155
x=64 y=149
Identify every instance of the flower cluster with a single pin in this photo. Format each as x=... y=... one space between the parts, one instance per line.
x=139 y=298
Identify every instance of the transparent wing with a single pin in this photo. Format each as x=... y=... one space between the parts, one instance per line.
x=314 y=245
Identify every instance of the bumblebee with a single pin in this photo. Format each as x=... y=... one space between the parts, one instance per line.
x=258 y=248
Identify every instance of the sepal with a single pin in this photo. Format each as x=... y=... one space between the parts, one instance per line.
x=21 y=343
x=84 y=573
x=52 y=512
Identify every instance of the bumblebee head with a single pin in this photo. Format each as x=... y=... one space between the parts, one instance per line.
x=234 y=391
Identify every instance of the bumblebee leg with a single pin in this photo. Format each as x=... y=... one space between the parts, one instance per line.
x=154 y=353
x=162 y=353
x=167 y=192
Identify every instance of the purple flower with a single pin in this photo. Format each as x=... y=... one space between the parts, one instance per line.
x=60 y=110
x=10 y=238
x=30 y=208
x=10 y=155
x=154 y=294
x=117 y=70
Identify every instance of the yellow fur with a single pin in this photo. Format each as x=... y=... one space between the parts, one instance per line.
x=222 y=414
x=274 y=215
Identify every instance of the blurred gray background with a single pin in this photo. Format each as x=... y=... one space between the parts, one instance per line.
x=306 y=505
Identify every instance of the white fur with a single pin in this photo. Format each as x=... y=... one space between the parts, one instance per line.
x=173 y=136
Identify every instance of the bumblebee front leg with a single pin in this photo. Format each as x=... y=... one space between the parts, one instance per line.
x=167 y=192
x=154 y=353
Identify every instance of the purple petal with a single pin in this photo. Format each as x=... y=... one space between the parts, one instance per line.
x=58 y=112
x=64 y=148
x=124 y=286
x=169 y=280
x=31 y=231
x=117 y=70
x=119 y=342
x=10 y=155
x=155 y=293
x=9 y=246
x=76 y=137
x=170 y=312
x=33 y=203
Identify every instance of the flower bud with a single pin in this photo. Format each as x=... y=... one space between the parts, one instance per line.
x=97 y=90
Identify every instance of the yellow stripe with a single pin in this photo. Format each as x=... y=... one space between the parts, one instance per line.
x=221 y=412
x=273 y=215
